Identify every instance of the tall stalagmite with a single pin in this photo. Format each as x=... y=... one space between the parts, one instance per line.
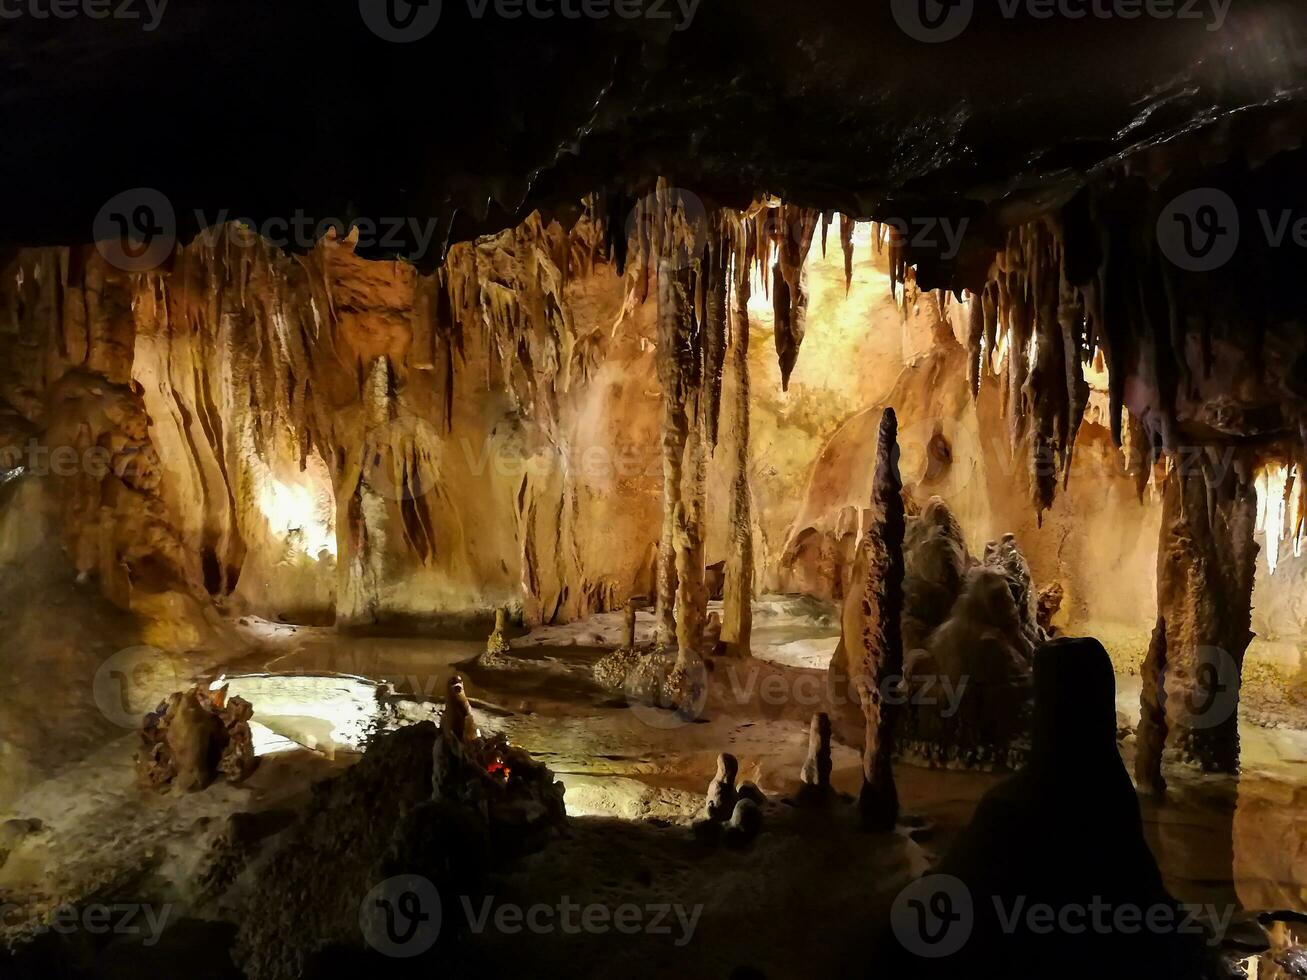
x=880 y=643
x=1150 y=736
x=1205 y=567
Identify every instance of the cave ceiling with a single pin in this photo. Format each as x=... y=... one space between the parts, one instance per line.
x=250 y=110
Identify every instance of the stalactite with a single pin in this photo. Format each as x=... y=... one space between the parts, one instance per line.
x=1071 y=322
x=795 y=228
x=975 y=343
x=716 y=270
x=737 y=594
x=847 y=226
x=1044 y=394
x=880 y=644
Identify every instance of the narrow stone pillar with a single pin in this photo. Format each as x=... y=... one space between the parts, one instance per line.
x=1150 y=736
x=879 y=648
x=737 y=594
x=691 y=581
x=675 y=299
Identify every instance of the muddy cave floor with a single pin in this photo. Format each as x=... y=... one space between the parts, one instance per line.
x=634 y=778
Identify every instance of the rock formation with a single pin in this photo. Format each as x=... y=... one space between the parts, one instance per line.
x=721 y=791
x=193 y=737
x=1205 y=565
x=457 y=723
x=870 y=653
x=815 y=775
x=737 y=598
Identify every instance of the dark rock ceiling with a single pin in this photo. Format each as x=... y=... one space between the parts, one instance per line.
x=265 y=108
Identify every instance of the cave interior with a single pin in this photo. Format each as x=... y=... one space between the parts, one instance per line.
x=616 y=487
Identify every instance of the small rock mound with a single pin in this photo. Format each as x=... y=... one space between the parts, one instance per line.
x=195 y=736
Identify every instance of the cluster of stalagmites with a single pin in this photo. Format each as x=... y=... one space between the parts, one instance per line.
x=970 y=628
x=441 y=803
x=195 y=736
x=935 y=649
x=731 y=814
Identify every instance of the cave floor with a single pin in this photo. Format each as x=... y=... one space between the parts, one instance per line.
x=635 y=777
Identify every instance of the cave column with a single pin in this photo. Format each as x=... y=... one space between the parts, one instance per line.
x=674 y=301
x=1205 y=570
x=737 y=594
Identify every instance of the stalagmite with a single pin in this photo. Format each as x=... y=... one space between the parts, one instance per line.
x=498 y=640
x=879 y=644
x=737 y=594
x=815 y=775
x=722 y=793
x=1150 y=735
x=1205 y=570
